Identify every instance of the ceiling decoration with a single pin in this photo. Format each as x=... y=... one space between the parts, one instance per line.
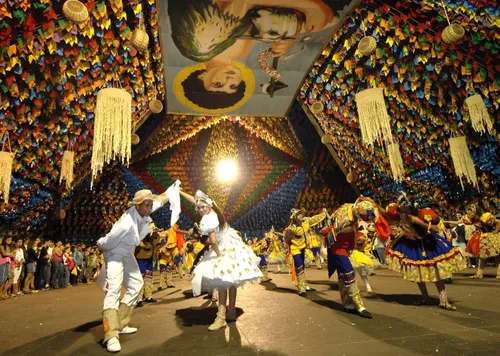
x=425 y=83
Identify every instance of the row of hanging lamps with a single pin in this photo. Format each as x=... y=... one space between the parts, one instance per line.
x=6 y=160
x=112 y=129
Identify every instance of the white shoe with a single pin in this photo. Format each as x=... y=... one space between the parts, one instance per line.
x=113 y=345
x=127 y=330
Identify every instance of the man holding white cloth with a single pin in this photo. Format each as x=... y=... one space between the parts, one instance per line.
x=121 y=266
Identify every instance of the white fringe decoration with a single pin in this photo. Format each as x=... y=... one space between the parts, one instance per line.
x=67 y=168
x=479 y=116
x=462 y=161
x=373 y=118
x=112 y=129
x=6 y=159
x=396 y=161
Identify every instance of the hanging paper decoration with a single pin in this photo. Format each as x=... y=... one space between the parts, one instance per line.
x=367 y=45
x=75 y=11
x=317 y=108
x=462 y=160
x=67 y=168
x=373 y=118
x=396 y=161
x=6 y=159
x=479 y=116
x=112 y=128
x=155 y=106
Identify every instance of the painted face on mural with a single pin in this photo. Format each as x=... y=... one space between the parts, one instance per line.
x=275 y=23
x=221 y=78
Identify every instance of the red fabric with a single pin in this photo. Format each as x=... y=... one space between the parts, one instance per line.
x=428 y=215
x=70 y=263
x=326 y=230
x=180 y=241
x=344 y=242
x=383 y=229
x=473 y=244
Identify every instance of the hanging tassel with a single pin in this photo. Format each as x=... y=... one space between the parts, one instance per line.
x=373 y=118
x=396 y=161
x=67 y=168
x=462 y=161
x=112 y=129
x=6 y=159
x=479 y=116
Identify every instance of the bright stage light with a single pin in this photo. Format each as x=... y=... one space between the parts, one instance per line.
x=227 y=170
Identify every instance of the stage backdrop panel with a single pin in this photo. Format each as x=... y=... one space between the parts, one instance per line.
x=242 y=57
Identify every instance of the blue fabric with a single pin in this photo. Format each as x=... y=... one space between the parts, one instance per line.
x=433 y=244
x=315 y=250
x=145 y=265
x=177 y=260
x=263 y=262
x=341 y=264
x=298 y=261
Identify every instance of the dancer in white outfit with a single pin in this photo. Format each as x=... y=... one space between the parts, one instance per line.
x=121 y=266
x=228 y=264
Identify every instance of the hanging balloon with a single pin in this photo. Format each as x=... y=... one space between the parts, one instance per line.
x=75 y=11
x=351 y=177
x=453 y=33
x=140 y=39
x=326 y=139
x=135 y=139
x=155 y=106
x=317 y=108
x=367 y=45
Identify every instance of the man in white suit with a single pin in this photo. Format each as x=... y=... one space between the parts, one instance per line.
x=121 y=266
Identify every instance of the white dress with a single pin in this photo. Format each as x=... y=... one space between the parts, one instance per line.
x=236 y=266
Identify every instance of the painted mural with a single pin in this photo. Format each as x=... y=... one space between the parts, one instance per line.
x=242 y=57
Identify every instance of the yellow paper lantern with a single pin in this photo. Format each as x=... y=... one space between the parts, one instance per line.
x=373 y=118
x=140 y=39
x=351 y=177
x=453 y=33
x=75 y=11
x=112 y=129
x=155 y=106
x=317 y=108
x=367 y=45
x=135 y=139
x=326 y=139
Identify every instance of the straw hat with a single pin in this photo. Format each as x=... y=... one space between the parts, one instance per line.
x=141 y=196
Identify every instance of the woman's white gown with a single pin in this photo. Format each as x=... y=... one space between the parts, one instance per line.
x=236 y=266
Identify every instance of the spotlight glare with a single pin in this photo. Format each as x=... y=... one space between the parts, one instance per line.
x=226 y=170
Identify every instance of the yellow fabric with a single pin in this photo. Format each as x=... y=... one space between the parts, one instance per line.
x=359 y=259
x=489 y=245
x=297 y=234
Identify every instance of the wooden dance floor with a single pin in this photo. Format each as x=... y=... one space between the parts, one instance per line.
x=273 y=320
